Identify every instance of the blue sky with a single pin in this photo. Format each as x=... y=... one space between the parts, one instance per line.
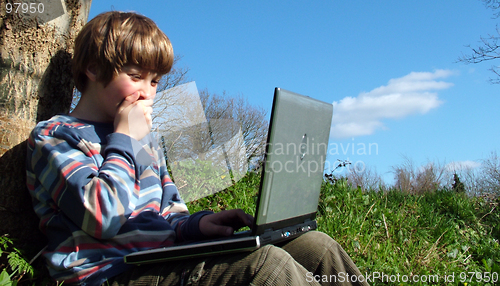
x=389 y=67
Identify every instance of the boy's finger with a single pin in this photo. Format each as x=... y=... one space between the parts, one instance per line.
x=243 y=217
x=129 y=100
x=221 y=230
x=250 y=220
x=148 y=111
x=147 y=102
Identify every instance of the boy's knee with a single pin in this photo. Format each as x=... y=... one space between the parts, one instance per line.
x=317 y=239
x=278 y=268
x=313 y=248
x=272 y=257
x=318 y=236
x=271 y=252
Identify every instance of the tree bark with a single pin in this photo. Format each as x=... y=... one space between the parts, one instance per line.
x=35 y=84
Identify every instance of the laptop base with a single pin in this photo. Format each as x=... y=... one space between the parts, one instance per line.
x=215 y=247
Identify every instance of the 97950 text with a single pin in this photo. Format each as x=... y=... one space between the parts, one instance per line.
x=25 y=8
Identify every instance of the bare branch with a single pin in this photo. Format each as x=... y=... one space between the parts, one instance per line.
x=493 y=5
x=489 y=48
x=251 y=119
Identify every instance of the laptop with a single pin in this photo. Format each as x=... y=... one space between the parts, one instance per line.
x=291 y=180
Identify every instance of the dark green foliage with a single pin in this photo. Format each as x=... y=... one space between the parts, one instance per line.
x=242 y=195
x=438 y=232
x=458 y=186
x=14 y=266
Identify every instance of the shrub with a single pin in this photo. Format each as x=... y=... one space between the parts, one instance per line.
x=412 y=180
x=15 y=267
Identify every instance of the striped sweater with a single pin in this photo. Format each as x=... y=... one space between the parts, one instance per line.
x=101 y=195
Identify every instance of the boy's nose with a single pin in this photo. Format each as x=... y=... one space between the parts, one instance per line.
x=144 y=96
x=148 y=92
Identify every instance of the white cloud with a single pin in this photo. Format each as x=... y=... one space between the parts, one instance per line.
x=462 y=165
x=414 y=93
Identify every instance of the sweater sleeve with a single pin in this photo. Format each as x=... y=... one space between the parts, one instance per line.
x=63 y=172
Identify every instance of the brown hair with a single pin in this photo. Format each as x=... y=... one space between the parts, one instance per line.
x=114 y=39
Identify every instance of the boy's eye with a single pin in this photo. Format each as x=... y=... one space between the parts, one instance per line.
x=155 y=82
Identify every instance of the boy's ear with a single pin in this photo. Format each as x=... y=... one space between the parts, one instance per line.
x=91 y=72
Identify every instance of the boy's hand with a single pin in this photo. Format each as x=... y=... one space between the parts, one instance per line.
x=133 y=117
x=224 y=223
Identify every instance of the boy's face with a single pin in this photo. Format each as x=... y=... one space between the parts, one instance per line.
x=131 y=79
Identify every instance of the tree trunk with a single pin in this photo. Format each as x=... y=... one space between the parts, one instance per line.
x=35 y=83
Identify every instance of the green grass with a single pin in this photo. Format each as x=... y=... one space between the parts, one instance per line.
x=438 y=233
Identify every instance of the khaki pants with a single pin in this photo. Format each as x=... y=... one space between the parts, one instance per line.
x=311 y=258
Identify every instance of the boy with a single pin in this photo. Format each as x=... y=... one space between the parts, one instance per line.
x=102 y=190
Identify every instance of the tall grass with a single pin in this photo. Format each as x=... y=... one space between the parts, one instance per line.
x=399 y=235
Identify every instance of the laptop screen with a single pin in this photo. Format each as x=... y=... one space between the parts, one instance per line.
x=295 y=156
